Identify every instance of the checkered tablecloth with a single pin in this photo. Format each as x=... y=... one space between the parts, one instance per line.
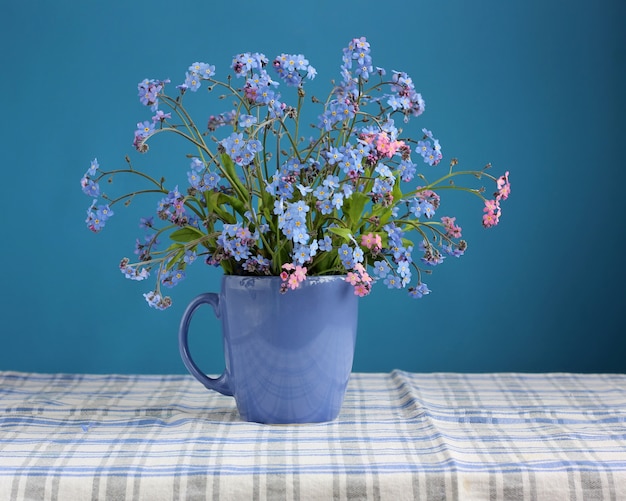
x=399 y=436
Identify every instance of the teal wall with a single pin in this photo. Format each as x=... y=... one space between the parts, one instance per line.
x=534 y=87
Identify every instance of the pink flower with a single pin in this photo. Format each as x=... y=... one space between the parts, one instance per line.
x=293 y=282
x=386 y=146
x=288 y=266
x=504 y=187
x=492 y=213
x=490 y=219
x=491 y=206
x=361 y=290
x=452 y=229
x=352 y=278
x=300 y=273
x=284 y=276
x=371 y=241
x=367 y=240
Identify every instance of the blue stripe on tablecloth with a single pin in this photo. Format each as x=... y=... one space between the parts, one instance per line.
x=379 y=440
x=188 y=470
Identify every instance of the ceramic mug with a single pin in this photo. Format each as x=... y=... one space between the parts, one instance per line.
x=288 y=356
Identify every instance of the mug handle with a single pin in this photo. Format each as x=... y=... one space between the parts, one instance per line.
x=220 y=384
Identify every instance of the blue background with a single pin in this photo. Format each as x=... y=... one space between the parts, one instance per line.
x=534 y=87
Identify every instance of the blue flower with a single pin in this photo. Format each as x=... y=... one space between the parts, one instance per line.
x=149 y=92
x=233 y=145
x=257 y=264
x=297 y=210
x=334 y=155
x=249 y=152
x=452 y=251
x=419 y=291
x=431 y=153
x=304 y=189
x=211 y=179
x=90 y=187
x=358 y=51
x=248 y=61
x=321 y=193
x=431 y=257
x=384 y=171
x=235 y=240
x=394 y=102
x=392 y=282
x=155 y=300
x=93 y=168
x=202 y=70
x=394 y=233
x=196 y=164
x=363 y=149
x=195 y=181
x=407 y=170
x=172 y=278
x=345 y=252
x=144 y=130
x=192 y=81
x=190 y=256
x=357 y=255
x=429 y=210
x=403 y=269
x=324 y=206
x=325 y=121
x=337 y=200
x=331 y=182
x=382 y=186
x=279 y=207
x=246 y=120
x=420 y=207
x=325 y=244
x=301 y=253
x=381 y=269
x=98 y=218
x=300 y=235
x=132 y=272
x=240 y=251
x=146 y=222
x=288 y=67
x=349 y=163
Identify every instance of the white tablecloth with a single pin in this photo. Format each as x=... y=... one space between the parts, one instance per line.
x=399 y=436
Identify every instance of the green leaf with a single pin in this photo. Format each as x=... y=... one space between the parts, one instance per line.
x=354 y=206
x=216 y=201
x=407 y=243
x=175 y=259
x=233 y=177
x=186 y=234
x=383 y=213
x=397 y=190
x=175 y=254
x=342 y=232
x=236 y=204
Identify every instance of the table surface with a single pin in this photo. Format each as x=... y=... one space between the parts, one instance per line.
x=399 y=436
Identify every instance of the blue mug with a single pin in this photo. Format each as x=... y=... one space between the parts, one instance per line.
x=288 y=356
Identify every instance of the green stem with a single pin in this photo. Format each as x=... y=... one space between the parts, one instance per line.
x=130 y=195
